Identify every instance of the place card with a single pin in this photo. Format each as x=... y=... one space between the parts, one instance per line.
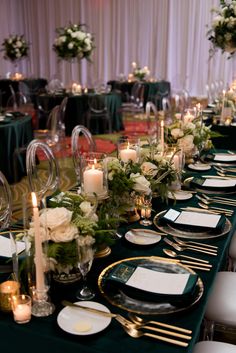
x=5 y=247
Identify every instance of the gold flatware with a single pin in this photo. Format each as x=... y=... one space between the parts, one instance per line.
x=91 y=310
x=202 y=244
x=225 y=211
x=209 y=201
x=172 y=253
x=199 y=210
x=181 y=242
x=182 y=248
x=137 y=334
x=138 y=230
x=138 y=320
x=211 y=198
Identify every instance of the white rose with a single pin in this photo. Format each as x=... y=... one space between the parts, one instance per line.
x=10 y=41
x=141 y=183
x=64 y=233
x=70 y=45
x=81 y=35
x=18 y=55
x=19 y=44
x=149 y=169
x=186 y=143
x=177 y=133
x=216 y=21
x=69 y=31
x=86 y=207
x=55 y=217
x=189 y=126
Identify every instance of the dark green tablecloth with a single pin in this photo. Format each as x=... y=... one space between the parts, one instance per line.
x=151 y=90
x=44 y=333
x=77 y=108
x=33 y=87
x=228 y=139
x=16 y=133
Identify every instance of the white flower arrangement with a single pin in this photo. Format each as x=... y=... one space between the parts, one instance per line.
x=223 y=28
x=190 y=135
x=15 y=47
x=73 y=42
x=140 y=73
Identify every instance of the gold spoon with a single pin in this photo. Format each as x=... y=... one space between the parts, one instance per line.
x=181 y=242
x=226 y=211
x=173 y=254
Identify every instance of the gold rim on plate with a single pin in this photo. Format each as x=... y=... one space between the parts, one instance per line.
x=122 y=301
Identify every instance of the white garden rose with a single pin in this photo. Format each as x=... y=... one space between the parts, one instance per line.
x=141 y=185
x=64 y=233
x=55 y=217
x=186 y=143
x=88 y=210
x=177 y=133
x=149 y=168
x=70 y=45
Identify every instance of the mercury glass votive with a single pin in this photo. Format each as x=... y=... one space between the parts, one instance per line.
x=7 y=290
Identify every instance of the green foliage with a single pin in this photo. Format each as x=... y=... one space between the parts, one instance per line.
x=63 y=253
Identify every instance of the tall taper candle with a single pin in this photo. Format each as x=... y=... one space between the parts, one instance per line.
x=162 y=137
x=38 y=246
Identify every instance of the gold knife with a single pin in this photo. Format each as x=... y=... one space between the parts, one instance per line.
x=91 y=310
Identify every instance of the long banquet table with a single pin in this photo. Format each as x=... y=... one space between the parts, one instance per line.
x=44 y=333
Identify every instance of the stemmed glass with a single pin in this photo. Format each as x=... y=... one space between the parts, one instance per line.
x=85 y=259
x=146 y=209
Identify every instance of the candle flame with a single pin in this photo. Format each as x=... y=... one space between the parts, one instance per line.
x=162 y=123
x=128 y=146
x=34 y=199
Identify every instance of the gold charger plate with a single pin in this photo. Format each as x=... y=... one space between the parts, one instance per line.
x=204 y=159
x=209 y=190
x=189 y=233
x=120 y=299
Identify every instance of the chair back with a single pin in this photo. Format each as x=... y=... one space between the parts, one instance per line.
x=150 y=107
x=137 y=94
x=76 y=148
x=36 y=183
x=16 y=100
x=53 y=126
x=98 y=112
x=5 y=202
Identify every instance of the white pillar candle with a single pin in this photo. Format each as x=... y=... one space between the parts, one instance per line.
x=188 y=117
x=93 y=181
x=176 y=162
x=22 y=312
x=38 y=246
x=127 y=154
x=162 y=137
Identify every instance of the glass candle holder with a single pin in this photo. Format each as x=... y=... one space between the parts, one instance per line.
x=129 y=149
x=21 y=307
x=7 y=290
x=93 y=175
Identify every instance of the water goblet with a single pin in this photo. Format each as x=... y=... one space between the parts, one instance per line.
x=146 y=209
x=85 y=260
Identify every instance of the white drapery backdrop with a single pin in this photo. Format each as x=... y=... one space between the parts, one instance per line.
x=168 y=36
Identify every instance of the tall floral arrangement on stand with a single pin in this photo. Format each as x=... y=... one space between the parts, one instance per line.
x=15 y=48
x=73 y=42
x=223 y=28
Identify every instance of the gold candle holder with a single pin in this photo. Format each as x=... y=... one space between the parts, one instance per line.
x=7 y=290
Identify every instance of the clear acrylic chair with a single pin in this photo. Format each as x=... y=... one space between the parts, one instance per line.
x=214 y=347
x=5 y=223
x=221 y=305
x=38 y=184
x=151 y=108
x=16 y=100
x=76 y=147
x=99 y=113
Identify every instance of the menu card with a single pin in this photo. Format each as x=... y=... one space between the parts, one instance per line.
x=5 y=247
x=219 y=183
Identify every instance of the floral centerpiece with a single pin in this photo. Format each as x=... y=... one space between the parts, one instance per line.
x=126 y=181
x=223 y=28
x=192 y=136
x=73 y=42
x=140 y=73
x=15 y=47
x=71 y=220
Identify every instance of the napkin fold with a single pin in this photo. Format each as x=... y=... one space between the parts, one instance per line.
x=193 y=221
x=146 y=284
x=214 y=184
